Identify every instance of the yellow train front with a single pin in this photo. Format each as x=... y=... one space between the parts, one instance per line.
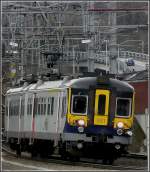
x=99 y=119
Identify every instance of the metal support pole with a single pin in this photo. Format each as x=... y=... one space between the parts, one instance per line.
x=73 y=65
x=106 y=56
x=147 y=133
x=142 y=43
x=118 y=60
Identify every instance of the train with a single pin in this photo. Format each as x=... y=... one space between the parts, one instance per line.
x=80 y=117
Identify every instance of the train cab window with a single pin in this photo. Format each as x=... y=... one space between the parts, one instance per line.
x=101 y=104
x=79 y=104
x=123 y=107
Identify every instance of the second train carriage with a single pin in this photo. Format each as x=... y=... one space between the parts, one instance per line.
x=91 y=116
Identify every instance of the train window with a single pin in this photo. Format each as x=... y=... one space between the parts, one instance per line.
x=27 y=109
x=48 y=107
x=44 y=110
x=6 y=105
x=35 y=106
x=101 y=104
x=123 y=107
x=64 y=106
x=52 y=105
x=39 y=106
x=10 y=108
x=79 y=104
x=13 y=107
x=30 y=108
x=22 y=107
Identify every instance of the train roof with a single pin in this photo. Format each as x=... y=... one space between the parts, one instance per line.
x=37 y=86
x=84 y=83
x=87 y=82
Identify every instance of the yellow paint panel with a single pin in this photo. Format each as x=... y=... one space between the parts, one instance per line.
x=126 y=121
x=53 y=90
x=72 y=119
x=101 y=119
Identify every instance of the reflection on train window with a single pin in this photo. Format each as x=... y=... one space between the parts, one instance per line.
x=123 y=107
x=79 y=104
x=101 y=104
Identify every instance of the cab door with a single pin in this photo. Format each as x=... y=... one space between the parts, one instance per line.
x=101 y=107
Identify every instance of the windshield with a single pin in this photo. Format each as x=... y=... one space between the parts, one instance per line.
x=123 y=107
x=79 y=104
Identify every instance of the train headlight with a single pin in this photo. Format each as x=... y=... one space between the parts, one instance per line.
x=79 y=145
x=81 y=129
x=117 y=146
x=120 y=124
x=129 y=133
x=119 y=131
x=81 y=122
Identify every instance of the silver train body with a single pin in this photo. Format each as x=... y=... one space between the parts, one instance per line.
x=39 y=118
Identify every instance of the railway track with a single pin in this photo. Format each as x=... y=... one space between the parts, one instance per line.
x=84 y=162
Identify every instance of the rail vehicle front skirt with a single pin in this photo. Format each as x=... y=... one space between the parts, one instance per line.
x=84 y=138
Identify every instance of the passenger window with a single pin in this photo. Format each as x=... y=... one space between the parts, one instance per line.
x=10 y=108
x=6 y=105
x=44 y=110
x=31 y=108
x=52 y=105
x=39 y=106
x=35 y=106
x=123 y=107
x=22 y=107
x=48 y=107
x=101 y=104
x=79 y=104
x=27 y=109
x=64 y=106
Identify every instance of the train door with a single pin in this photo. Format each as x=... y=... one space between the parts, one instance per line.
x=101 y=107
x=21 y=112
x=62 y=110
x=28 y=102
x=52 y=111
